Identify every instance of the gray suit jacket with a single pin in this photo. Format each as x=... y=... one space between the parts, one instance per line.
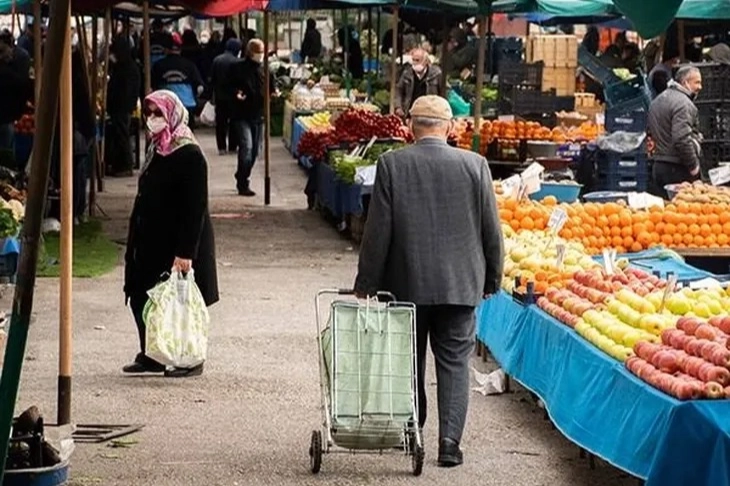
x=433 y=233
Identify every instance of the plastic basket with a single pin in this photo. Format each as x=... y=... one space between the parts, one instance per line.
x=626 y=121
x=605 y=197
x=714 y=120
x=621 y=183
x=567 y=193
x=715 y=82
x=595 y=68
x=633 y=91
x=632 y=164
x=715 y=151
x=519 y=73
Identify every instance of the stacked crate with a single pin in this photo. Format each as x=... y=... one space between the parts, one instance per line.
x=624 y=171
x=713 y=105
x=559 y=54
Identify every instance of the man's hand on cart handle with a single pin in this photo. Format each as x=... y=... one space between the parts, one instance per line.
x=360 y=294
x=487 y=296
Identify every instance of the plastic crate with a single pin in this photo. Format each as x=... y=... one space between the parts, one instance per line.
x=632 y=164
x=715 y=81
x=520 y=73
x=627 y=121
x=533 y=101
x=622 y=183
x=715 y=151
x=632 y=91
x=566 y=193
x=606 y=197
x=714 y=120
x=595 y=68
x=8 y=265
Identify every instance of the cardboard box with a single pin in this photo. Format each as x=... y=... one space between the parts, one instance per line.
x=553 y=50
x=587 y=100
x=562 y=79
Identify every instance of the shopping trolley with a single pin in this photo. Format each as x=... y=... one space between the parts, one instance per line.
x=368 y=380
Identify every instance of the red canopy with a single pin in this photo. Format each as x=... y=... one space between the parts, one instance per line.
x=212 y=8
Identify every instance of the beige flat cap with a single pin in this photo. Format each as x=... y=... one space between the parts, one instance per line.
x=431 y=106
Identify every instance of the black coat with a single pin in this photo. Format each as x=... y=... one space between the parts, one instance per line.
x=170 y=218
x=247 y=76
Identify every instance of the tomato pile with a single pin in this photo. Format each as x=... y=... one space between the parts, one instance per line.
x=26 y=125
x=352 y=126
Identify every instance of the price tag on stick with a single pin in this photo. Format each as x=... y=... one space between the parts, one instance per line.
x=557 y=220
x=668 y=290
x=561 y=255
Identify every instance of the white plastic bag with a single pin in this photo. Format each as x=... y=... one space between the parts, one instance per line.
x=177 y=322
x=207 y=116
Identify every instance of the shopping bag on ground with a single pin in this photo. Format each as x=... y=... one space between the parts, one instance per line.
x=177 y=322
x=207 y=116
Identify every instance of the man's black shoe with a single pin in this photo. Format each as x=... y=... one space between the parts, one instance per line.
x=449 y=454
x=144 y=364
x=246 y=192
x=184 y=372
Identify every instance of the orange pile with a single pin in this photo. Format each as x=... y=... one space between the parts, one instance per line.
x=614 y=225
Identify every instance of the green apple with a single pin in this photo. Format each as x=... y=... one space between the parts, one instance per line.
x=655 y=298
x=702 y=310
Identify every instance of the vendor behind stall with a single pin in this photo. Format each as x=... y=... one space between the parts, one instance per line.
x=673 y=123
x=419 y=79
x=661 y=74
x=461 y=54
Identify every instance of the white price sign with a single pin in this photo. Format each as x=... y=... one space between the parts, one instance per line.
x=668 y=290
x=557 y=220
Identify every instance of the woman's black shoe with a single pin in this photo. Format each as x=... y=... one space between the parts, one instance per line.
x=184 y=372
x=144 y=364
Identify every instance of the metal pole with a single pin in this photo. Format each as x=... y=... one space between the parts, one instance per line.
x=480 y=81
x=37 y=48
x=378 y=47
x=146 y=48
x=12 y=19
x=267 y=113
x=30 y=235
x=370 y=35
x=490 y=42
x=289 y=26
x=95 y=109
x=393 y=70
x=104 y=83
x=346 y=53
x=681 y=40
x=67 y=227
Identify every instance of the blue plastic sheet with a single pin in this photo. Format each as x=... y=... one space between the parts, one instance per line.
x=599 y=405
x=297 y=131
x=341 y=199
x=652 y=261
x=9 y=245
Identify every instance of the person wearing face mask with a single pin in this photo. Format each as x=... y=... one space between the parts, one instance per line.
x=673 y=126
x=247 y=80
x=170 y=226
x=433 y=237
x=123 y=90
x=420 y=79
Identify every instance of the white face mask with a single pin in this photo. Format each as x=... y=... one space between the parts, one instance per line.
x=419 y=68
x=156 y=124
x=259 y=58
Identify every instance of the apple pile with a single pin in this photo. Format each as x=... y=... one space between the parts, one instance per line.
x=26 y=125
x=703 y=303
x=564 y=305
x=639 y=282
x=357 y=124
x=313 y=143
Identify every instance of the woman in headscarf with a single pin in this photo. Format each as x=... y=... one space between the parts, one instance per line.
x=170 y=227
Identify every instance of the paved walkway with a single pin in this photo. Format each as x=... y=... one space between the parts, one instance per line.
x=248 y=419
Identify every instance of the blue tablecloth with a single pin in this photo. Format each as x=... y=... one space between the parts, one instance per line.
x=297 y=131
x=602 y=407
x=9 y=245
x=339 y=198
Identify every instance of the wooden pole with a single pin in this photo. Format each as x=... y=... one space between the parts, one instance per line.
x=31 y=232
x=67 y=227
x=681 y=40
x=37 y=48
x=481 y=54
x=12 y=19
x=146 y=46
x=370 y=36
x=377 y=44
x=346 y=52
x=267 y=114
x=95 y=109
x=393 y=70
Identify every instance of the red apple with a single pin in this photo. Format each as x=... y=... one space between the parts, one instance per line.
x=714 y=390
x=706 y=331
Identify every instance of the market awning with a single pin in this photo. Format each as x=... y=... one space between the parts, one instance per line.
x=211 y=8
x=651 y=17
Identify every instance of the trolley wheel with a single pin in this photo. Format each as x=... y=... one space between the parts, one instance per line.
x=315 y=452
x=419 y=455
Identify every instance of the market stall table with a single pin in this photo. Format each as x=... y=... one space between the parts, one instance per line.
x=595 y=402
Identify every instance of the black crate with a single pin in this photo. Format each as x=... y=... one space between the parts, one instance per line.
x=595 y=68
x=526 y=100
x=715 y=81
x=621 y=183
x=615 y=165
x=715 y=151
x=633 y=91
x=520 y=73
x=714 y=120
x=626 y=121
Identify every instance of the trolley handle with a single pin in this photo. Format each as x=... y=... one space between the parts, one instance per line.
x=381 y=295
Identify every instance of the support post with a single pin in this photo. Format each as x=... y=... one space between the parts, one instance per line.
x=104 y=82
x=31 y=232
x=146 y=47
x=393 y=70
x=98 y=117
x=267 y=113
x=37 y=48
x=681 y=40
x=67 y=227
x=479 y=83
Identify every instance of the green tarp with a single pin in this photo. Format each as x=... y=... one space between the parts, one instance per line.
x=652 y=17
x=557 y=8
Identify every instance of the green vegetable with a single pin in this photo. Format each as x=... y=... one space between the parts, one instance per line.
x=345 y=165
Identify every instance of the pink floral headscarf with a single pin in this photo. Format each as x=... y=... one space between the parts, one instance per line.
x=177 y=133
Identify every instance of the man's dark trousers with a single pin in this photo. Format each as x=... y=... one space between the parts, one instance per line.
x=450 y=328
x=224 y=129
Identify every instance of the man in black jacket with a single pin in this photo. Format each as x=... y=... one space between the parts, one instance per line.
x=223 y=95
x=248 y=82
x=122 y=95
x=312 y=43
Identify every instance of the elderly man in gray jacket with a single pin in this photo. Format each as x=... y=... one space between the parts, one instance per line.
x=673 y=125
x=433 y=238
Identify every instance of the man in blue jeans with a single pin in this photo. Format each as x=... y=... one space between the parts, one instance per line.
x=247 y=117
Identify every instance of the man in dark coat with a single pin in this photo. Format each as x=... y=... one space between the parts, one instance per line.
x=249 y=85
x=355 y=59
x=122 y=95
x=418 y=79
x=16 y=89
x=433 y=237
x=312 y=43
x=224 y=95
